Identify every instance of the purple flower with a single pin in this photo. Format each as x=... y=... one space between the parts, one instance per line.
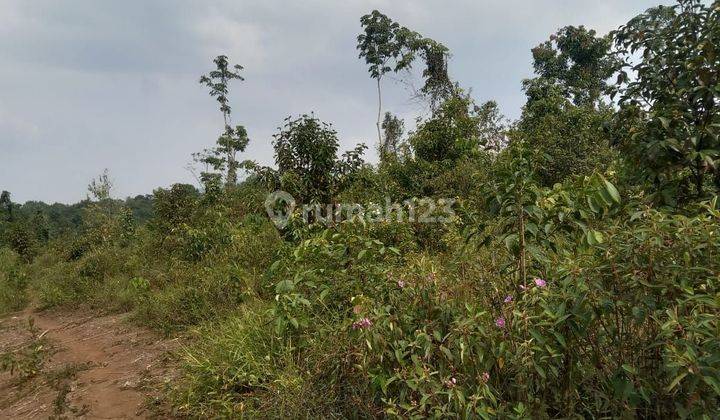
x=540 y=282
x=401 y=284
x=508 y=299
x=485 y=377
x=362 y=324
x=450 y=383
x=500 y=322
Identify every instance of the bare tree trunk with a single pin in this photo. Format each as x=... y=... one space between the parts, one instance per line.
x=380 y=141
x=232 y=170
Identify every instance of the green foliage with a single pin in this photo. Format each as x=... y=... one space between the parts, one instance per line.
x=174 y=206
x=382 y=42
x=26 y=360
x=557 y=290
x=578 y=61
x=308 y=166
x=6 y=205
x=393 y=129
x=100 y=187
x=668 y=121
x=13 y=282
x=453 y=132
x=570 y=139
x=386 y=46
x=222 y=158
x=305 y=152
x=565 y=116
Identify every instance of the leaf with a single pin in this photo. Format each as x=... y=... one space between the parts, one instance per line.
x=665 y=122
x=629 y=369
x=594 y=237
x=610 y=188
x=537 y=336
x=447 y=353
x=285 y=286
x=511 y=242
x=676 y=381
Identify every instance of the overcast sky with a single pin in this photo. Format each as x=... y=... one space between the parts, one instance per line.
x=87 y=85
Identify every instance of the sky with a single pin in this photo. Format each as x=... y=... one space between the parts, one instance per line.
x=92 y=84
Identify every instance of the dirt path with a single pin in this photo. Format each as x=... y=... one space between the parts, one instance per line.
x=80 y=365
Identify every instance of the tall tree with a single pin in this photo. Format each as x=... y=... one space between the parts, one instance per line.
x=233 y=140
x=669 y=94
x=6 y=205
x=493 y=126
x=387 y=46
x=577 y=60
x=563 y=118
x=569 y=139
x=382 y=46
x=452 y=132
x=100 y=187
x=393 y=128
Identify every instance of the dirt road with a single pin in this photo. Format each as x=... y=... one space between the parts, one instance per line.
x=80 y=365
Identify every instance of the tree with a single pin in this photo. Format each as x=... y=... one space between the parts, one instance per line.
x=100 y=187
x=387 y=46
x=383 y=45
x=437 y=87
x=492 y=126
x=569 y=139
x=564 y=117
x=578 y=61
x=453 y=131
x=173 y=207
x=393 y=128
x=6 y=205
x=223 y=157
x=306 y=156
x=669 y=96
x=307 y=163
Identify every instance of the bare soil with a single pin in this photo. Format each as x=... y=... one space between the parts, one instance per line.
x=81 y=365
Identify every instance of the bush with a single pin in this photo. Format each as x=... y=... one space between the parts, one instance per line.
x=13 y=283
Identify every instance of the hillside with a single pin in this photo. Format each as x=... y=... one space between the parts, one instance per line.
x=562 y=265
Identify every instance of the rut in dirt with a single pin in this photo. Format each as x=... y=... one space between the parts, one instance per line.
x=81 y=365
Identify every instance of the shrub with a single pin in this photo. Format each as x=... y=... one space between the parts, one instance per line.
x=13 y=282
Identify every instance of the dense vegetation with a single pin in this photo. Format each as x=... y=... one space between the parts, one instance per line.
x=578 y=274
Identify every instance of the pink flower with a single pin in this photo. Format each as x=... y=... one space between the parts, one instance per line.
x=485 y=377
x=401 y=284
x=500 y=322
x=450 y=383
x=508 y=299
x=362 y=324
x=540 y=282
